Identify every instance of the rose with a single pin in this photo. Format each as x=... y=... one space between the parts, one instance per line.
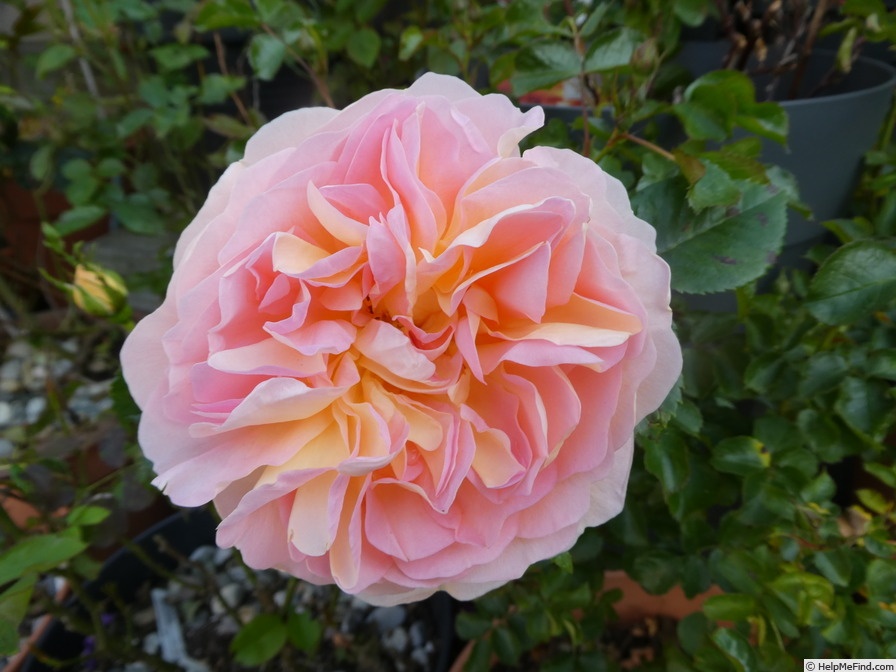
x=398 y=355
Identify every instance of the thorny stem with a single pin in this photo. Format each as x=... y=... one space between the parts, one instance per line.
x=321 y=85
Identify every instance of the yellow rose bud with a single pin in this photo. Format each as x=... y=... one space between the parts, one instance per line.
x=98 y=291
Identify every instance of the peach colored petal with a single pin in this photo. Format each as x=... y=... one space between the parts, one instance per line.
x=401 y=357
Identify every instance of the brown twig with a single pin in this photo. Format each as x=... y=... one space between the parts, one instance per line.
x=806 y=51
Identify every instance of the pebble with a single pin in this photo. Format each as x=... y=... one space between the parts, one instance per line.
x=397 y=640
x=417 y=633
x=144 y=617
x=222 y=555
x=204 y=555
x=280 y=598
x=6 y=413
x=151 y=643
x=422 y=655
x=231 y=594
x=34 y=408
x=238 y=574
x=386 y=618
x=62 y=367
x=136 y=667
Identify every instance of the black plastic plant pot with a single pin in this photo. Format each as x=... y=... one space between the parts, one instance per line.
x=184 y=533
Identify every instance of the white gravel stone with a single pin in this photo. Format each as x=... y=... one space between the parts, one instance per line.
x=6 y=413
x=204 y=555
x=222 y=555
x=151 y=643
x=386 y=618
x=397 y=640
x=19 y=350
x=34 y=408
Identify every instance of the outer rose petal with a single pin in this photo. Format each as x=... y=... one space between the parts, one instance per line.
x=400 y=357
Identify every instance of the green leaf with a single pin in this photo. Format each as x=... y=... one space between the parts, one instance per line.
x=259 y=640
x=730 y=607
x=480 y=659
x=138 y=214
x=87 y=515
x=564 y=562
x=472 y=625
x=714 y=251
x=715 y=187
x=692 y=631
x=132 y=122
x=227 y=126
x=820 y=490
x=865 y=405
x=543 y=64
x=882 y=364
x=266 y=54
x=177 y=56
x=410 y=42
x=216 y=88
x=741 y=569
x=702 y=122
x=76 y=169
x=54 y=57
x=667 y=459
x=154 y=91
x=304 y=632
x=110 y=167
x=691 y=12
x=611 y=50
x=854 y=281
x=880 y=576
x=824 y=372
x=78 y=218
x=38 y=554
x=268 y=10
x=507 y=645
x=873 y=500
x=656 y=571
x=886 y=475
x=41 y=162
x=800 y=591
x=13 y=607
x=736 y=648
x=363 y=47
x=226 y=14
x=741 y=455
x=538 y=625
x=768 y=120
x=834 y=565
x=823 y=434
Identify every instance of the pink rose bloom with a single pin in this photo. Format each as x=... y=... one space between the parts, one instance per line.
x=398 y=355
